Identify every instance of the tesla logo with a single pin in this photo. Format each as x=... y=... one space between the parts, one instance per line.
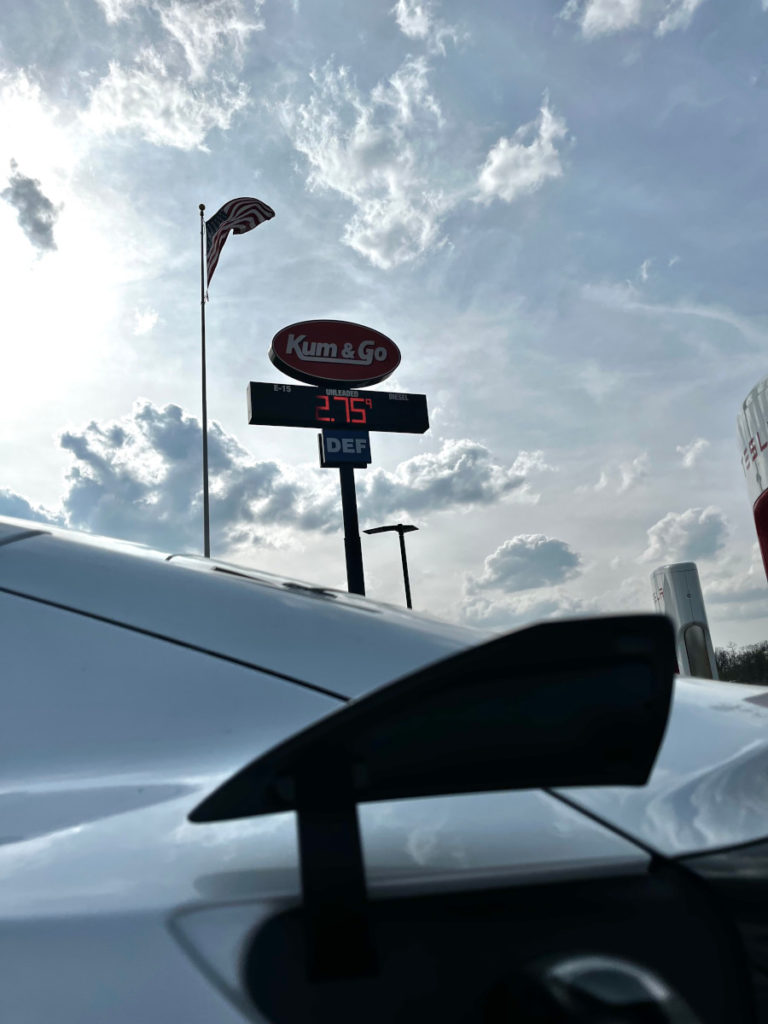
x=752 y=450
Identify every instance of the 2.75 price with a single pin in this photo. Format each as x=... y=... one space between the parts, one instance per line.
x=353 y=411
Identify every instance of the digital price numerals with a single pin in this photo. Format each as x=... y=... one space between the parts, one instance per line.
x=287 y=405
x=353 y=411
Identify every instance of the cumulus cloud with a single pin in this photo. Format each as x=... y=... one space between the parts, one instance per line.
x=416 y=19
x=519 y=610
x=605 y=17
x=743 y=593
x=139 y=478
x=520 y=165
x=690 y=452
x=37 y=215
x=526 y=562
x=686 y=536
x=370 y=150
x=624 y=476
x=633 y=472
x=461 y=474
x=13 y=504
x=174 y=92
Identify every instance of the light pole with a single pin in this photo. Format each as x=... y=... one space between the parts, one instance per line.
x=401 y=530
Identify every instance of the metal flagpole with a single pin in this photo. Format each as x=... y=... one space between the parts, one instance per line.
x=206 y=518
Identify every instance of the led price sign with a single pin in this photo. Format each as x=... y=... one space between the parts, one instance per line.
x=289 y=405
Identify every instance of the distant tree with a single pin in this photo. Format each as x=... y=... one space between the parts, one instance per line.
x=743 y=665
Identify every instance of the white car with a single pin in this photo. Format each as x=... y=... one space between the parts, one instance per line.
x=539 y=827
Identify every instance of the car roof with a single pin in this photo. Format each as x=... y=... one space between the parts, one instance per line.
x=342 y=643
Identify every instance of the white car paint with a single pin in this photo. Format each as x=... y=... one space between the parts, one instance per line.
x=132 y=686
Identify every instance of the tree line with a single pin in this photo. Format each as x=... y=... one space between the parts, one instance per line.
x=743 y=664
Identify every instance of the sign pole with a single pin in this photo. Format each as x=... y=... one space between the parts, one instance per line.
x=406 y=579
x=352 y=547
x=206 y=518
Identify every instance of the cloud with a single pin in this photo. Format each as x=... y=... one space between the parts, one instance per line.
x=144 y=321
x=139 y=478
x=461 y=474
x=645 y=269
x=177 y=90
x=156 y=103
x=691 y=452
x=686 y=536
x=36 y=213
x=633 y=473
x=208 y=32
x=742 y=594
x=605 y=17
x=13 y=504
x=526 y=562
x=520 y=610
x=370 y=151
x=519 y=166
x=416 y=19
x=116 y=10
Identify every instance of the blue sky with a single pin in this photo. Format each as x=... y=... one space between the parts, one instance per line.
x=556 y=210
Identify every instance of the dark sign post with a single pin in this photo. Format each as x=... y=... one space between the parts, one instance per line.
x=341 y=358
x=401 y=531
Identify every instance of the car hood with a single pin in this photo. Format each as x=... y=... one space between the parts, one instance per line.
x=709 y=786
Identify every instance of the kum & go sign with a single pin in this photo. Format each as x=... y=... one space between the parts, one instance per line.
x=322 y=351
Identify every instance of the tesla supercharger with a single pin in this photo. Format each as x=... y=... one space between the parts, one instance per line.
x=753 y=432
x=677 y=593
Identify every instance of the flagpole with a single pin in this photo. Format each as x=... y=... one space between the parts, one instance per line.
x=206 y=518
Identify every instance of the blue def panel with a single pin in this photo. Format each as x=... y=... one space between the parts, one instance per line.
x=345 y=447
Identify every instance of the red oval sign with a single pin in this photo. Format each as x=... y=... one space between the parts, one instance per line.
x=334 y=351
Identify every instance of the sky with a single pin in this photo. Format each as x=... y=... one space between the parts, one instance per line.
x=555 y=208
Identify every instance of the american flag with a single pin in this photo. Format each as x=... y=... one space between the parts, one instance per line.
x=238 y=215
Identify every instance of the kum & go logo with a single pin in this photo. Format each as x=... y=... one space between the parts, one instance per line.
x=319 y=351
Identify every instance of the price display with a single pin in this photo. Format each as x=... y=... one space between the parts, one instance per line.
x=290 y=405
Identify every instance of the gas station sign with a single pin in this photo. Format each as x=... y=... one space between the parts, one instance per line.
x=323 y=351
x=290 y=405
x=339 y=358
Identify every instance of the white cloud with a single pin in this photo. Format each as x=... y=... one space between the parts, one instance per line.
x=605 y=17
x=519 y=610
x=634 y=472
x=175 y=91
x=645 y=268
x=520 y=165
x=116 y=10
x=679 y=14
x=460 y=474
x=370 y=150
x=144 y=320
x=216 y=30
x=691 y=452
x=13 y=504
x=155 y=101
x=138 y=478
x=629 y=475
x=686 y=536
x=526 y=562
x=416 y=19
x=743 y=593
